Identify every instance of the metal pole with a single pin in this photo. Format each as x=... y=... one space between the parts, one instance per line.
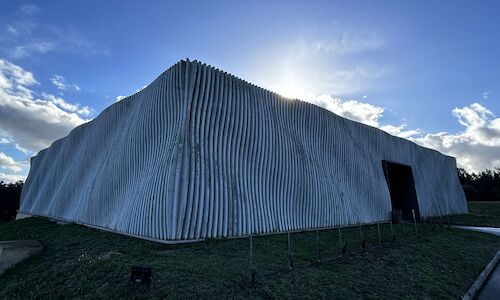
x=290 y=261
x=340 y=237
x=414 y=221
x=392 y=229
x=379 y=236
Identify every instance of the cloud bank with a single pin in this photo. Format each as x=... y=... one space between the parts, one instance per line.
x=476 y=148
x=30 y=121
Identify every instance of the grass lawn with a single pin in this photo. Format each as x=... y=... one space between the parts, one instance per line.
x=485 y=208
x=480 y=214
x=88 y=263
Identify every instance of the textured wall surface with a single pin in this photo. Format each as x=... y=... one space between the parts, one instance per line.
x=199 y=153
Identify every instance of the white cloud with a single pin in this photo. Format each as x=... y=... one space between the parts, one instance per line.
x=11 y=178
x=33 y=123
x=7 y=162
x=30 y=9
x=61 y=84
x=25 y=151
x=11 y=75
x=477 y=147
x=119 y=98
x=362 y=112
x=70 y=107
x=351 y=109
x=344 y=41
x=27 y=37
x=399 y=131
x=472 y=116
x=4 y=140
x=486 y=95
x=143 y=87
x=27 y=50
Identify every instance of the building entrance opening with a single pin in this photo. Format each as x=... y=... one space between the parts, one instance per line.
x=402 y=189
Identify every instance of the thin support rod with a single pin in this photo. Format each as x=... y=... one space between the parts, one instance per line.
x=414 y=221
x=404 y=227
x=290 y=259
x=363 y=243
x=379 y=236
x=250 y=261
x=340 y=237
x=342 y=245
x=392 y=229
x=318 y=246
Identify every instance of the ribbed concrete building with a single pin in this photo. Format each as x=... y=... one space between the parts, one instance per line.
x=199 y=153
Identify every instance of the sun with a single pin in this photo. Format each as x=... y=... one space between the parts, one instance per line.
x=289 y=88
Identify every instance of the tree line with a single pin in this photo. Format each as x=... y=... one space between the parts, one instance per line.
x=483 y=186
x=10 y=194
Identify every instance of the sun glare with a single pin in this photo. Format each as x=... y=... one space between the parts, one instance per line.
x=289 y=88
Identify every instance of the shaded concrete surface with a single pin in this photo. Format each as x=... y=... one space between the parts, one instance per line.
x=13 y=252
x=491 y=288
x=490 y=230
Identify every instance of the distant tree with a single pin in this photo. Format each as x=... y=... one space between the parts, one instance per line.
x=483 y=186
x=10 y=195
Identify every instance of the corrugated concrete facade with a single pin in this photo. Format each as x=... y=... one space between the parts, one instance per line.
x=199 y=153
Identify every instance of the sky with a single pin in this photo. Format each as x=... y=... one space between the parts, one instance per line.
x=422 y=70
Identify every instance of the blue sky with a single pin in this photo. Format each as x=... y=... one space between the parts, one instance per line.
x=423 y=70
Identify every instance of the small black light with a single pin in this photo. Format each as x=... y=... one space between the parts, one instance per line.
x=141 y=275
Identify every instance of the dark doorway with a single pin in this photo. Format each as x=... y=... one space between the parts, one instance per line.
x=402 y=188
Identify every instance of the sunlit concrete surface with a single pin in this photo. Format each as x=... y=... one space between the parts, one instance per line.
x=490 y=230
x=200 y=153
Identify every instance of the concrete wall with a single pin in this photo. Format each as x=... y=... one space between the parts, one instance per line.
x=199 y=153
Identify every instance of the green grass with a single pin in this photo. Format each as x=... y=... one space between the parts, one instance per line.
x=485 y=208
x=76 y=262
x=480 y=214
